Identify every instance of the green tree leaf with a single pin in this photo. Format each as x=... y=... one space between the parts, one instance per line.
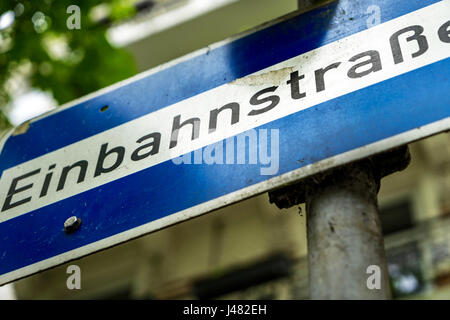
x=67 y=63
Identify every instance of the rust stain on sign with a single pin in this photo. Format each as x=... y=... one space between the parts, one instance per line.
x=271 y=78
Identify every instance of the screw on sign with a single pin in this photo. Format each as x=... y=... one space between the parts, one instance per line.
x=72 y=224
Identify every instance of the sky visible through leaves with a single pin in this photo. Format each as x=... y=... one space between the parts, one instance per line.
x=38 y=50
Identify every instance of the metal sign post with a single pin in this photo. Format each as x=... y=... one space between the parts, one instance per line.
x=344 y=236
x=343 y=228
x=345 y=241
x=304 y=94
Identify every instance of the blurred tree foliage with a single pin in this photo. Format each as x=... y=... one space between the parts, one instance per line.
x=67 y=63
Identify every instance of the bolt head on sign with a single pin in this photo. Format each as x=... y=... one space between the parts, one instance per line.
x=72 y=224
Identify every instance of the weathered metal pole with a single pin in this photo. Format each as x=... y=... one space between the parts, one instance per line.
x=345 y=241
x=346 y=254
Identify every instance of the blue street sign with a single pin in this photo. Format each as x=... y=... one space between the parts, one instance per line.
x=303 y=94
